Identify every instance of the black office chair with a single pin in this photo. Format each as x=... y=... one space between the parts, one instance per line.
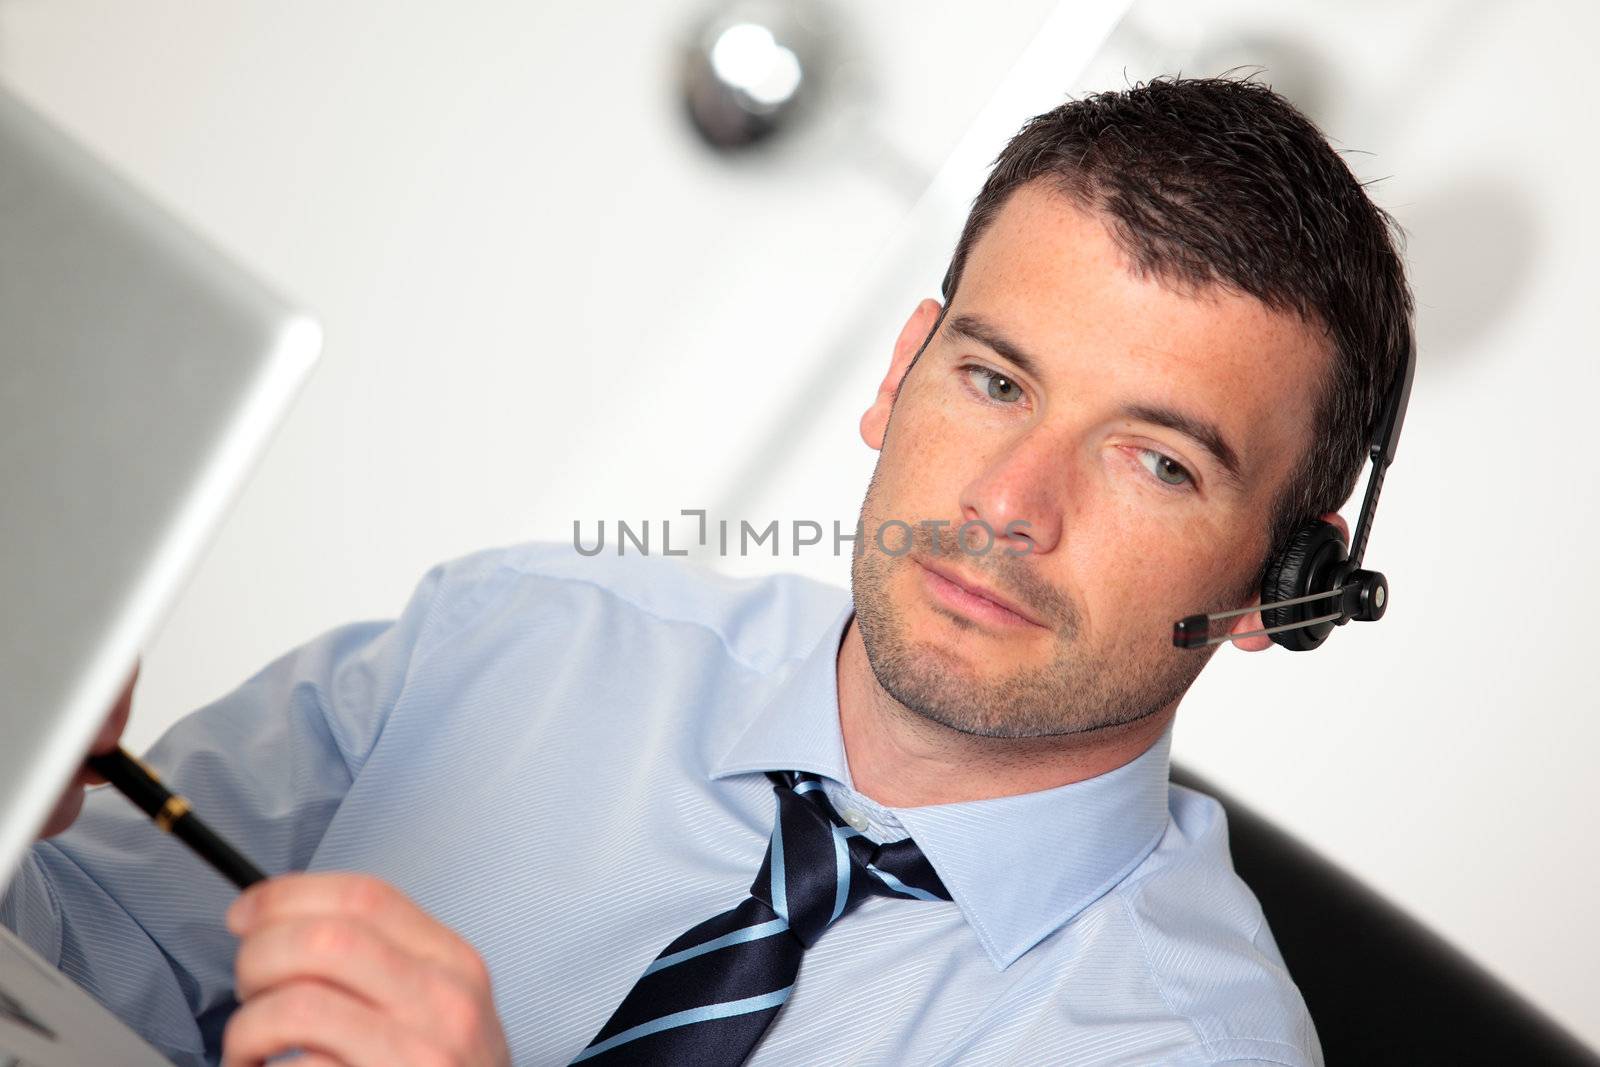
x=1380 y=986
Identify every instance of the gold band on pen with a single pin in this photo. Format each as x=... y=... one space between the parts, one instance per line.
x=174 y=809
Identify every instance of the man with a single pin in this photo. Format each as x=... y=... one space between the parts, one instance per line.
x=677 y=818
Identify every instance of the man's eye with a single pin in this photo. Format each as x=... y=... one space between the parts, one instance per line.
x=994 y=385
x=1165 y=468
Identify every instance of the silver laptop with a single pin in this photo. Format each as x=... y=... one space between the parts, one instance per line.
x=141 y=373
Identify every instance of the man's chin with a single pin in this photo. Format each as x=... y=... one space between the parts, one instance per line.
x=931 y=683
x=984 y=647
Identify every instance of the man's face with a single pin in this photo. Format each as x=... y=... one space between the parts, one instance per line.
x=1038 y=406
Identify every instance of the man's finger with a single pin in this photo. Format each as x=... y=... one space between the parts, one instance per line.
x=335 y=949
x=111 y=730
x=362 y=897
x=357 y=958
x=319 y=1018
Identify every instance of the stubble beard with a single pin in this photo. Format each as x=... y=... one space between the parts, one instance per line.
x=1079 y=690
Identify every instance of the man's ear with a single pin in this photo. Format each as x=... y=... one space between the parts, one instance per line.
x=875 y=422
x=1246 y=623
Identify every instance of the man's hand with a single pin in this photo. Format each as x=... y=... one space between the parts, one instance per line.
x=71 y=802
x=348 y=969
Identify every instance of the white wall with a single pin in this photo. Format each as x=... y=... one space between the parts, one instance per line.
x=543 y=303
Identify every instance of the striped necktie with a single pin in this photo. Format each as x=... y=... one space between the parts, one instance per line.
x=709 y=996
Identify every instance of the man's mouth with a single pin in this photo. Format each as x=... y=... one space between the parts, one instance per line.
x=972 y=599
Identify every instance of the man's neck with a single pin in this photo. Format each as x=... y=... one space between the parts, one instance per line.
x=902 y=760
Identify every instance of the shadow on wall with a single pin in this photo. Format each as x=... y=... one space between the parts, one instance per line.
x=1471 y=241
x=1298 y=71
x=1471 y=250
x=1470 y=245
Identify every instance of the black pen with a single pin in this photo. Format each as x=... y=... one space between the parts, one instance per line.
x=171 y=813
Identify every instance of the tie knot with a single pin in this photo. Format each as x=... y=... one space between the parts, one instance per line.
x=818 y=868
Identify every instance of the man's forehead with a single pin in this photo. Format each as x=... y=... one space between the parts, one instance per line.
x=1058 y=259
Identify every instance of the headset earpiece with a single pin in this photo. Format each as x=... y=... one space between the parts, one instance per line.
x=1314 y=561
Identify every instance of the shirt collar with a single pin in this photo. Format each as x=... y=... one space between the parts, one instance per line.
x=1062 y=848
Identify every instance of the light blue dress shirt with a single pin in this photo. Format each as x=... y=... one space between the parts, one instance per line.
x=561 y=757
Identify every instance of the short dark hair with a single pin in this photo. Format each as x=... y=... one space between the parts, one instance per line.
x=1221 y=181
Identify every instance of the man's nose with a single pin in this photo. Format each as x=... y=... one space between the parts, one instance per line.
x=1019 y=494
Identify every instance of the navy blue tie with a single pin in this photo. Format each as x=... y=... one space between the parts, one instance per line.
x=710 y=995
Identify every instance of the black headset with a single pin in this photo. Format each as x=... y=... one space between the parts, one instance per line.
x=1313 y=584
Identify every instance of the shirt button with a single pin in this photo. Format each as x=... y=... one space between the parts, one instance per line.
x=855 y=819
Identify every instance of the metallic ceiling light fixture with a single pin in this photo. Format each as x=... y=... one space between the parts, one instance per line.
x=753 y=67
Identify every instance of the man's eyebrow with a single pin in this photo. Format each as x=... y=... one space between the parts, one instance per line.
x=976 y=329
x=1201 y=431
